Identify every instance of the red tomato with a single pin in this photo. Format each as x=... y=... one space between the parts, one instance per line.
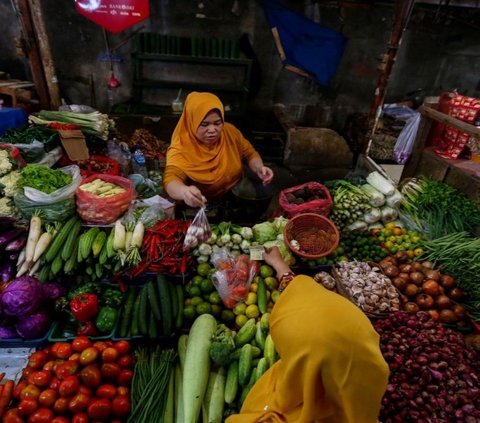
x=19 y=388
x=88 y=355
x=27 y=371
x=60 y=419
x=109 y=355
x=79 y=403
x=123 y=390
x=42 y=415
x=74 y=357
x=37 y=359
x=121 y=405
x=62 y=350
x=30 y=391
x=48 y=397
x=85 y=390
x=90 y=375
x=80 y=418
x=125 y=361
x=106 y=391
x=100 y=345
x=69 y=386
x=12 y=416
x=57 y=363
x=40 y=378
x=49 y=365
x=100 y=409
x=61 y=405
x=27 y=406
x=110 y=370
x=125 y=377
x=122 y=346
x=81 y=343
x=66 y=369
x=54 y=383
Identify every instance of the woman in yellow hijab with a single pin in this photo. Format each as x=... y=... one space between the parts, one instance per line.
x=206 y=155
x=330 y=370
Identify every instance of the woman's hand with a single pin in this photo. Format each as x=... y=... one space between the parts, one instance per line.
x=193 y=197
x=273 y=257
x=265 y=174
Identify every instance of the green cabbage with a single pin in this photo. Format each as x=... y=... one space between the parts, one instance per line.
x=284 y=251
x=279 y=223
x=263 y=232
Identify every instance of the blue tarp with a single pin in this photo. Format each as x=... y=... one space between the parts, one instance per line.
x=307 y=45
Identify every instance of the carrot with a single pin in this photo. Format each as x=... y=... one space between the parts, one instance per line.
x=6 y=396
x=2 y=375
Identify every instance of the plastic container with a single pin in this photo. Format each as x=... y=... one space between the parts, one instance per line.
x=56 y=334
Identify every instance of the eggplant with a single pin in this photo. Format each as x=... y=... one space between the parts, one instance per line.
x=7 y=271
x=17 y=244
x=6 y=223
x=9 y=236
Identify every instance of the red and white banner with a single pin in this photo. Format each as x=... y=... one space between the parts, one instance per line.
x=114 y=15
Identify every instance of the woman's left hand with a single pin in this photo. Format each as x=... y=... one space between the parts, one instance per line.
x=265 y=174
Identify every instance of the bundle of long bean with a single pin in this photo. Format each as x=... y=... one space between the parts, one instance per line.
x=150 y=384
x=459 y=255
x=437 y=208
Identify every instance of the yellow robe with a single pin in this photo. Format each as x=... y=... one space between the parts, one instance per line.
x=331 y=368
x=216 y=169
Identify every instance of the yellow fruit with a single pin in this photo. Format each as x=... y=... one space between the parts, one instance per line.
x=397 y=231
x=251 y=299
x=253 y=287
x=418 y=252
x=390 y=225
x=240 y=320
x=252 y=311
x=410 y=253
x=239 y=309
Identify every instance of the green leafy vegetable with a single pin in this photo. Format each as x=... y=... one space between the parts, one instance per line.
x=43 y=178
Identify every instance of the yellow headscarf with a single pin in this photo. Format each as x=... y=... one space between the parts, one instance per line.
x=202 y=164
x=331 y=368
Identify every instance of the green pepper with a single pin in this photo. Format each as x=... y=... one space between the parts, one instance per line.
x=112 y=297
x=106 y=319
x=88 y=288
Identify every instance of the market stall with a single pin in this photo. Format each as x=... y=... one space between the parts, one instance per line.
x=133 y=313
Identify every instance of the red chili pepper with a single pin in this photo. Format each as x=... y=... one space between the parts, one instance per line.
x=87 y=329
x=84 y=307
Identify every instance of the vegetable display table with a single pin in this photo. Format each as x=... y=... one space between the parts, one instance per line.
x=11 y=118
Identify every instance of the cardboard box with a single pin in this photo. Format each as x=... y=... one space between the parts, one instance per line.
x=73 y=141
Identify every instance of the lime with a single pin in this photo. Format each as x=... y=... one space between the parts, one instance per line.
x=196 y=300
x=189 y=312
x=252 y=311
x=227 y=316
x=311 y=264
x=203 y=269
x=196 y=280
x=239 y=309
x=214 y=298
x=240 y=320
x=216 y=310
x=206 y=286
x=265 y=271
x=194 y=291
x=203 y=308
x=275 y=296
x=251 y=298
x=271 y=282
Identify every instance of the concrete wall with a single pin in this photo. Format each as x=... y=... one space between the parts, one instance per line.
x=438 y=52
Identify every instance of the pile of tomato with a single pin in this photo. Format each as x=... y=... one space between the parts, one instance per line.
x=80 y=381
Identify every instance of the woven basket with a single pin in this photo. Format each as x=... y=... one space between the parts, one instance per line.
x=316 y=235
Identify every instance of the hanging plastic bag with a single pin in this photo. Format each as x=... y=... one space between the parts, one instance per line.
x=233 y=276
x=406 y=139
x=198 y=231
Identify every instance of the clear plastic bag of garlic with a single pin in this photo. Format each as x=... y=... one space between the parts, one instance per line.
x=368 y=287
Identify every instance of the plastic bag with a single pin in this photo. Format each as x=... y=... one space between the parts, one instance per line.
x=104 y=210
x=198 y=231
x=33 y=152
x=119 y=153
x=406 y=139
x=310 y=197
x=233 y=276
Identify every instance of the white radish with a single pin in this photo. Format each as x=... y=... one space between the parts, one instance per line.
x=34 y=268
x=128 y=240
x=119 y=236
x=42 y=245
x=137 y=236
x=21 y=257
x=34 y=233
x=23 y=268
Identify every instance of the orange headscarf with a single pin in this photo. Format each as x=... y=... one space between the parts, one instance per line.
x=331 y=368
x=204 y=164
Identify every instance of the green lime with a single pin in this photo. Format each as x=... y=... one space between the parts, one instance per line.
x=265 y=271
x=196 y=300
x=311 y=264
x=271 y=283
x=214 y=298
x=206 y=286
x=189 y=312
x=203 y=269
x=239 y=308
x=216 y=310
x=227 y=316
x=240 y=320
x=203 y=308
x=196 y=279
x=194 y=291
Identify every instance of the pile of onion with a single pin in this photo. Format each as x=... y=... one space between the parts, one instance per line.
x=433 y=374
x=424 y=288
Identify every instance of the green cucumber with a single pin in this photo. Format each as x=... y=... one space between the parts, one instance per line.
x=127 y=312
x=231 y=384
x=143 y=313
x=245 y=333
x=245 y=364
x=153 y=299
x=134 y=327
x=165 y=305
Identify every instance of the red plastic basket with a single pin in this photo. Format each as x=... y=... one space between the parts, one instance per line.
x=316 y=235
x=321 y=201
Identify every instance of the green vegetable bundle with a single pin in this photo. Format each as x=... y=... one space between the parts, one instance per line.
x=438 y=209
x=43 y=178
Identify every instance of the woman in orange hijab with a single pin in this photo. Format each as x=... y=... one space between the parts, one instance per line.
x=206 y=155
x=330 y=370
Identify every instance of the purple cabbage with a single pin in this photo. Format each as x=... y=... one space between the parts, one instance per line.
x=34 y=326
x=7 y=332
x=52 y=291
x=23 y=296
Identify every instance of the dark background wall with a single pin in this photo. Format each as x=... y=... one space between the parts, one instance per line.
x=440 y=51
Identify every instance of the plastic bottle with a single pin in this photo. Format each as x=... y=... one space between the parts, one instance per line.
x=139 y=163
